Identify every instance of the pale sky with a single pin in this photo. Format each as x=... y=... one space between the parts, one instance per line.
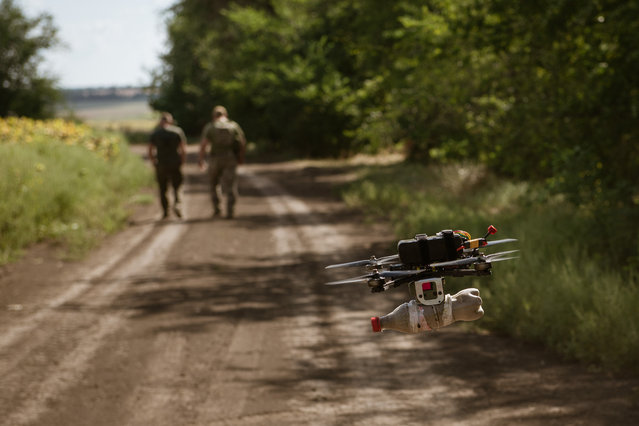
x=103 y=43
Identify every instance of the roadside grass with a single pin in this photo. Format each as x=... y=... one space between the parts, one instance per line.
x=63 y=182
x=566 y=290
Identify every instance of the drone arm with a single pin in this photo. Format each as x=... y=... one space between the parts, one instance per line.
x=430 y=274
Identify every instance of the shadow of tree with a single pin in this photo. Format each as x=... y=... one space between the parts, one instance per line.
x=462 y=376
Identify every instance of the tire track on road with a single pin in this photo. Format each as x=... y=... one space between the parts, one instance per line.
x=28 y=324
x=332 y=339
x=302 y=240
x=42 y=382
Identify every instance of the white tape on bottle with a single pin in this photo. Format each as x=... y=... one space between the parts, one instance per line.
x=422 y=320
x=413 y=316
x=447 y=315
x=416 y=317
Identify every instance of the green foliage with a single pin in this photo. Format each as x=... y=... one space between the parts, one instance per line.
x=583 y=309
x=24 y=91
x=57 y=191
x=569 y=79
x=291 y=72
x=569 y=288
x=544 y=90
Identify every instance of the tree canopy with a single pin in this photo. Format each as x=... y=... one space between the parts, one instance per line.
x=545 y=90
x=24 y=90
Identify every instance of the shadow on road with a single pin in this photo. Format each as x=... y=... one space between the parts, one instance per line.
x=463 y=376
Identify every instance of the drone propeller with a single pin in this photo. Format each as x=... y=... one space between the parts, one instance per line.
x=505 y=240
x=498 y=257
x=375 y=276
x=458 y=262
x=355 y=280
x=503 y=258
x=373 y=261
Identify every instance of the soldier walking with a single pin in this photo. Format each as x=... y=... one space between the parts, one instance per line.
x=228 y=145
x=167 y=153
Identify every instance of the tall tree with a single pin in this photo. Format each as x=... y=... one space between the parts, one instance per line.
x=24 y=90
x=185 y=82
x=546 y=90
x=569 y=76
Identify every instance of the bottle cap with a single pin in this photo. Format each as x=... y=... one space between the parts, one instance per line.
x=377 y=327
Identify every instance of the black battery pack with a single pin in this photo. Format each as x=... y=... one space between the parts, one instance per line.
x=424 y=250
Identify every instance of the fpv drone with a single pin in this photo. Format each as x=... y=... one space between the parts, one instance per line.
x=424 y=261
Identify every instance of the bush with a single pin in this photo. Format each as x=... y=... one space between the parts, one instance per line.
x=568 y=290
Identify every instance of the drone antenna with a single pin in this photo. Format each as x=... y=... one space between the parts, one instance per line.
x=491 y=231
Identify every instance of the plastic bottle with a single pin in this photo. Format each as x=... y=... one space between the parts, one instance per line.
x=413 y=317
x=407 y=318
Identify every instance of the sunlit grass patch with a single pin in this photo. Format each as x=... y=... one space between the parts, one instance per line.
x=62 y=182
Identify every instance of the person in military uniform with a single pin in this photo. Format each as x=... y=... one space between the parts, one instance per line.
x=228 y=145
x=167 y=153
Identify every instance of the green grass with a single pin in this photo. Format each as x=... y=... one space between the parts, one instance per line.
x=568 y=290
x=56 y=191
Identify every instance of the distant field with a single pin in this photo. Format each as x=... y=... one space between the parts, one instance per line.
x=116 y=114
x=109 y=110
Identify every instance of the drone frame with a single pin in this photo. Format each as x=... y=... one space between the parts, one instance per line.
x=389 y=272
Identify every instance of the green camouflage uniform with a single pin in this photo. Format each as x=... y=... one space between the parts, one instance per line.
x=227 y=140
x=168 y=168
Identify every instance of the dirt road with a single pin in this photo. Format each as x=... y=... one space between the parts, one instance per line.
x=209 y=321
